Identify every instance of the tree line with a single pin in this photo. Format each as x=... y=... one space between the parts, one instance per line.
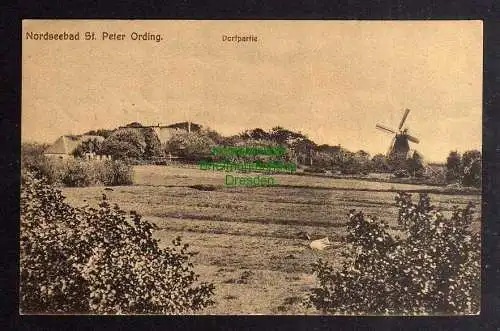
x=136 y=142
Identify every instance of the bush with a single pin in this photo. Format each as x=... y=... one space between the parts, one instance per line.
x=99 y=261
x=52 y=170
x=32 y=155
x=380 y=163
x=103 y=172
x=433 y=269
x=80 y=173
x=122 y=174
x=77 y=174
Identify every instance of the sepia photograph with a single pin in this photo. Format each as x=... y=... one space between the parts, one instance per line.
x=256 y=167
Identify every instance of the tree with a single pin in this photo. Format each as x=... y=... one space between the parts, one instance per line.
x=215 y=136
x=256 y=134
x=123 y=144
x=283 y=136
x=465 y=169
x=415 y=165
x=324 y=160
x=192 y=146
x=304 y=149
x=153 y=145
x=471 y=168
x=453 y=167
x=88 y=146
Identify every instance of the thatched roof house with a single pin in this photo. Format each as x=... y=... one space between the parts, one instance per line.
x=64 y=146
x=163 y=132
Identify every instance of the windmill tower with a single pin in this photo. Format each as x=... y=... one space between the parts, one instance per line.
x=399 y=149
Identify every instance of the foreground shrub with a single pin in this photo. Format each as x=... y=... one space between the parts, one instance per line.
x=434 y=268
x=99 y=261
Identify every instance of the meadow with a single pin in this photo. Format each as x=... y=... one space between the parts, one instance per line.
x=250 y=240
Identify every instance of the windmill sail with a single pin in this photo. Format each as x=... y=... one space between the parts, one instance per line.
x=391 y=146
x=383 y=128
x=412 y=139
x=403 y=119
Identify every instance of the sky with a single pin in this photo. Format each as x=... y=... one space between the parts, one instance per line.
x=331 y=80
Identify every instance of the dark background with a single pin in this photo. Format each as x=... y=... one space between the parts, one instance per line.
x=10 y=117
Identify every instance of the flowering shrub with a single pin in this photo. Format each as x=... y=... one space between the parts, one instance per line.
x=99 y=260
x=434 y=267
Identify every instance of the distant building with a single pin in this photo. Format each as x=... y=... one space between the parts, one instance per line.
x=64 y=147
x=164 y=132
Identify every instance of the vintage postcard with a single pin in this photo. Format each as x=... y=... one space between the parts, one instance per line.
x=251 y=167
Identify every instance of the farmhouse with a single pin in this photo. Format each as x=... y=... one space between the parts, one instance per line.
x=64 y=146
x=164 y=132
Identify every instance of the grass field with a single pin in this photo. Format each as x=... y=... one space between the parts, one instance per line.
x=247 y=237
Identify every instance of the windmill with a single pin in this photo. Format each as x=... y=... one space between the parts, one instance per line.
x=399 y=149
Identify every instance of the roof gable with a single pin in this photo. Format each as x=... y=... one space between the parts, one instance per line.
x=67 y=144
